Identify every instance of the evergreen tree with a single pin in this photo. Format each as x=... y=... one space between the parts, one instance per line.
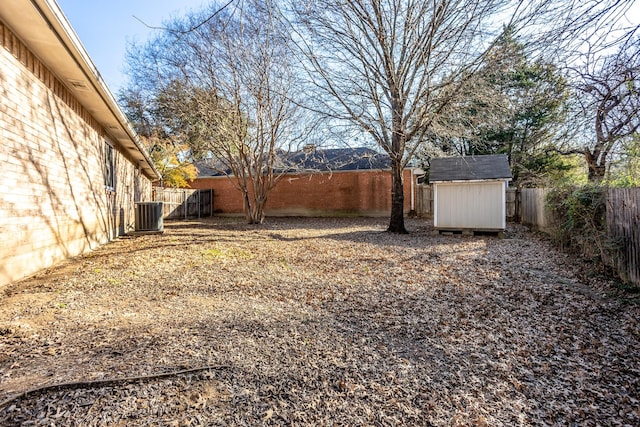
x=512 y=106
x=533 y=97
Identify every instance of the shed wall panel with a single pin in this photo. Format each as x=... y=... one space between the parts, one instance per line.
x=470 y=205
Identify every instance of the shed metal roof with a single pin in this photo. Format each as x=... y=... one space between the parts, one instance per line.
x=470 y=168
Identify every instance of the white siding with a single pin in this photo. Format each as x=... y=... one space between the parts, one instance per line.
x=470 y=205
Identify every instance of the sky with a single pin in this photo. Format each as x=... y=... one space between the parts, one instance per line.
x=106 y=27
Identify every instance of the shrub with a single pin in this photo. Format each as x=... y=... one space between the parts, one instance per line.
x=580 y=223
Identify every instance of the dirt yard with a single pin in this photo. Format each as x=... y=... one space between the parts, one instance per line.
x=318 y=322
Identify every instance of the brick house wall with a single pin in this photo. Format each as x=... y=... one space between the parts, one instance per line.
x=53 y=200
x=362 y=193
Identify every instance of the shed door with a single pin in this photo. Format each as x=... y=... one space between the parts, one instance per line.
x=475 y=205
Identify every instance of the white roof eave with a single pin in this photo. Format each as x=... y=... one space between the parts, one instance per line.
x=42 y=26
x=470 y=180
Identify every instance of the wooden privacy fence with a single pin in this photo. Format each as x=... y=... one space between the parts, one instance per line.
x=181 y=203
x=623 y=227
x=529 y=206
x=424 y=201
x=533 y=208
x=513 y=204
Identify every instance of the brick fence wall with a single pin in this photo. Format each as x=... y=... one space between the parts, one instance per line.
x=362 y=193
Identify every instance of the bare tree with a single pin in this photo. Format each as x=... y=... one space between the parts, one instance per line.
x=608 y=91
x=221 y=81
x=392 y=67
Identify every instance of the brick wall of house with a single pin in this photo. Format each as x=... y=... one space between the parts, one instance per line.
x=53 y=201
x=363 y=193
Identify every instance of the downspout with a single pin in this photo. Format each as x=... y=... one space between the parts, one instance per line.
x=413 y=195
x=415 y=174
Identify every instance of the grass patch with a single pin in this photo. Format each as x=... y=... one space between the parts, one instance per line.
x=226 y=254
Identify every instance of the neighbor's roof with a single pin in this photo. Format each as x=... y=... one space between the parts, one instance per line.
x=471 y=168
x=339 y=159
x=42 y=26
x=313 y=160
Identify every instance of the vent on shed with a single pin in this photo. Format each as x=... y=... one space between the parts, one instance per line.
x=149 y=217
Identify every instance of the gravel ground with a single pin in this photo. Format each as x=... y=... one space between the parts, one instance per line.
x=318 y=322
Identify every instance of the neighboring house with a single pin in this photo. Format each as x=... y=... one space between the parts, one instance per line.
x=469 y=193
x=332 y=182
x=71 y=165
x=339 y=159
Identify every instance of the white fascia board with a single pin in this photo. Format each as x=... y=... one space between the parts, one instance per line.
x=77 y=50
x=47 y=33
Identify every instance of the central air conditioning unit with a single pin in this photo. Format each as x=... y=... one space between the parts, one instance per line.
x=149 y=217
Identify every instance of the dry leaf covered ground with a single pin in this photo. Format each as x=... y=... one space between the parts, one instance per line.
x=318 y=322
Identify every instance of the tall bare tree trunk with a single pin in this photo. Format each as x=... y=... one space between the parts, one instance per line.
x=396 y=221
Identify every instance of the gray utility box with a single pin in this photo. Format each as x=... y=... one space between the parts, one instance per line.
x=149 y=217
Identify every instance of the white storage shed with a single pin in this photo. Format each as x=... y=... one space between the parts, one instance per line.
x=469 y=193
